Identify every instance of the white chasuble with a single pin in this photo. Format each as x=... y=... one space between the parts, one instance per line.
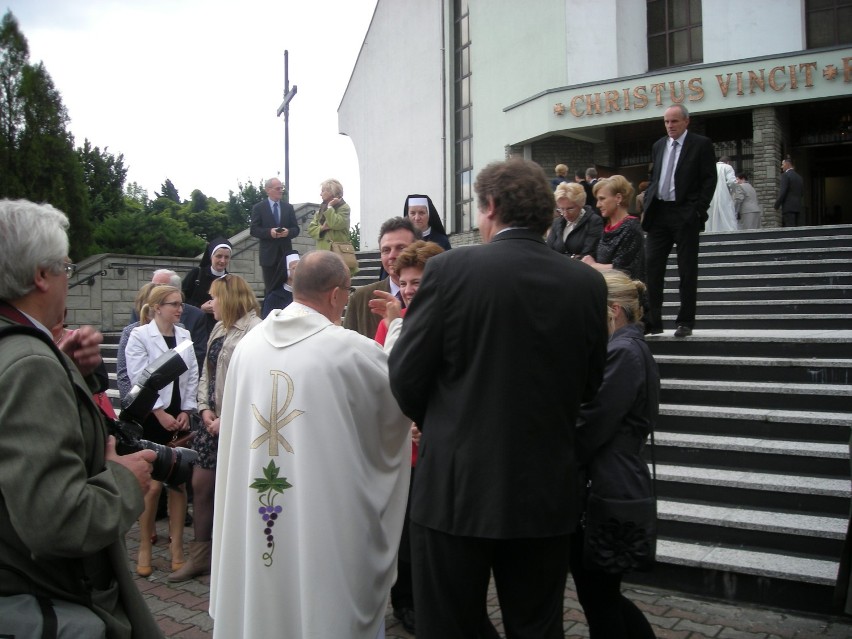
x=311 y=484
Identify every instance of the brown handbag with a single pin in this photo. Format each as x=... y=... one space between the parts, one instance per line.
x=182 y=439
x=347 y=252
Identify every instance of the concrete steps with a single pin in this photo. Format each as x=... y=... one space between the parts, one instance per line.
x=752 y=443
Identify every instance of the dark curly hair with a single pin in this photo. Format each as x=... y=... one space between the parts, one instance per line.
x=521 y=192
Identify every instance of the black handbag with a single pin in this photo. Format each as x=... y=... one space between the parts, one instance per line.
x=620 y=535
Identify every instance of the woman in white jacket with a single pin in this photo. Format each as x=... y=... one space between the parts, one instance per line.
x=158 y=332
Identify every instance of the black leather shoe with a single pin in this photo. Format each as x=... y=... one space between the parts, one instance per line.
x=683 y=331
x=406 y=617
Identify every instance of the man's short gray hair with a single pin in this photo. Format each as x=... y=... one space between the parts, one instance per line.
x=174 y=278
x=32 y=236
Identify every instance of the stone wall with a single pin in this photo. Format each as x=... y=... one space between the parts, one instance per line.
x=101 y=294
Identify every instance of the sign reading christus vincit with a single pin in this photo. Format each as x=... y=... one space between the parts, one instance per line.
x=746 y=83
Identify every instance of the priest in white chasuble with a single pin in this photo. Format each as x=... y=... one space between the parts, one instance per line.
x=312 y=479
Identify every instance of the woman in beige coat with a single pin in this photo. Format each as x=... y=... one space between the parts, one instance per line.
x=236 y=309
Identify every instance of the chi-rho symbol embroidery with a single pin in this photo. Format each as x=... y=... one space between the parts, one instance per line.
x=277 y=419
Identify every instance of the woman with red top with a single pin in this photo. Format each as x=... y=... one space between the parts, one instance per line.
x=622 y=245
x=409 y=268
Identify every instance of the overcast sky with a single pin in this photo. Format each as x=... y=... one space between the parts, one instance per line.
x=188 y=90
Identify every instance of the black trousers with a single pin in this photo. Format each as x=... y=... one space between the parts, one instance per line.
x=402 y=592
x=452 y=573
x=609 y=613
x=674 y=226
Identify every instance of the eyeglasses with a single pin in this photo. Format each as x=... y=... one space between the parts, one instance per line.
x=175 y=304
x=566 y=209
x=352 y=290
x=70 y=269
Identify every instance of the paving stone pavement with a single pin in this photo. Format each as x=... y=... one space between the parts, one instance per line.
x=181 y=609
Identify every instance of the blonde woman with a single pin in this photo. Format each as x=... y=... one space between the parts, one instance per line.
x=577 y=229
x=158 y=331
x=622 y=245
x=331 y=222
x=236 y=310
x=611 y=431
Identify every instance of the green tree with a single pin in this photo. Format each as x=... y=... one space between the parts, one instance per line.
x=141 y=233
x=104 y=175
x=168 y=191
x=136 y=198
x=14 y=53
x=240 y=204
x=38 y=158
x=355 y=236
x=207 y=217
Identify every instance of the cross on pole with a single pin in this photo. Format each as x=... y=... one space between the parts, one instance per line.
x=284 y=108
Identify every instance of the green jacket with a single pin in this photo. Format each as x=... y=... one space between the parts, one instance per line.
x=64 y=510
x=338 y=222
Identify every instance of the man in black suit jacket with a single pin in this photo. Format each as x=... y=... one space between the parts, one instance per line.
x=499 y=347
x=273 y=222
x=790 y=196
x=676 y=203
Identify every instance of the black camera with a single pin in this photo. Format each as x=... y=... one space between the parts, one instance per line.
x=172 y=466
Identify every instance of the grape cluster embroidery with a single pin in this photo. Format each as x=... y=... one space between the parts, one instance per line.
x=269 y=487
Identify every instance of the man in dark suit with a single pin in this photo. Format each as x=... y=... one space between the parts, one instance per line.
x=394 y=236
x=486 y=369
x=676 y=203
x=273 y=222
x=790 y=196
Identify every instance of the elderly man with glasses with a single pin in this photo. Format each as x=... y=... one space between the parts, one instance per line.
x=68 y=498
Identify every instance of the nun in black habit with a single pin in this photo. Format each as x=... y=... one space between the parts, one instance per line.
x=196 y=284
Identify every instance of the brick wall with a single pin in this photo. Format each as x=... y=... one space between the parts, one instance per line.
x=768 y=144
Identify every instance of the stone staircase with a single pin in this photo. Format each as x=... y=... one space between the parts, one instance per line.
x=752 y=453
x=752 y=446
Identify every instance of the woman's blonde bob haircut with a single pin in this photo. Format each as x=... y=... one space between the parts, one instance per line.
x=572 y=191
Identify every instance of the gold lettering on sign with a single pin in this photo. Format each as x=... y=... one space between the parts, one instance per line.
x=593 y=104
x=724 y=85
x=697 y=91
x=809 y=68
x=779 y=78
x=755 y=80
x=611 y=98
x=675 y=98
x=641 y=96
x=772 y=83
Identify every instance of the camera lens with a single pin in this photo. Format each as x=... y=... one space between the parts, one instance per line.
x=172 y=465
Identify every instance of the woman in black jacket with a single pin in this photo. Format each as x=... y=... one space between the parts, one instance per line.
x=577 y=229
x=611 y=432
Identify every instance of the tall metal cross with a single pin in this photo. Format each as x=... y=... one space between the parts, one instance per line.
x=289 y=94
